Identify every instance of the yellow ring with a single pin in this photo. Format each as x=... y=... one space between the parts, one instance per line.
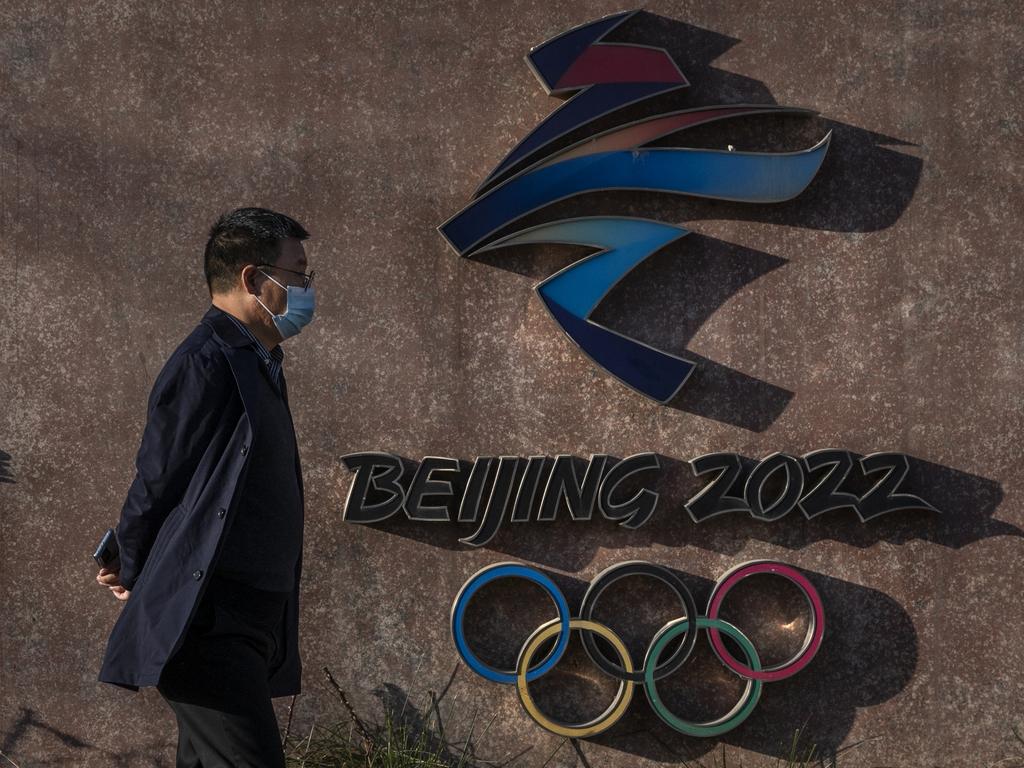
x=606 y=719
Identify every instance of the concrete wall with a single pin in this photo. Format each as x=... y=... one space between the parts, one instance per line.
x=879 y=311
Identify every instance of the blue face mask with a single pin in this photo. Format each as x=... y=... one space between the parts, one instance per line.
x=298 y=311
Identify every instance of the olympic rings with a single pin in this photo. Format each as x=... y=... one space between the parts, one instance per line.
x=653 y=669
x=486 y=575
x=815 y=629
x=604 y=580
x=603 y=721
x=739 y=713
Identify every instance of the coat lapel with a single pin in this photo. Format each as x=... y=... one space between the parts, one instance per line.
x=273 y=384
x=298 y=462
x=243 y=364
x=284 y=392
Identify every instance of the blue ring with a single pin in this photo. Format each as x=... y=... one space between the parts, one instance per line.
x=487 y=575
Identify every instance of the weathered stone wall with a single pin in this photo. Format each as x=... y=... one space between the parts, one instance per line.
x=878 y=311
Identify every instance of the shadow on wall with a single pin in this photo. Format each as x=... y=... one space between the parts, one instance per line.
x=966 y=503
x=51 y=739
x=862 y=186
x=881 y=655
x=6 y=473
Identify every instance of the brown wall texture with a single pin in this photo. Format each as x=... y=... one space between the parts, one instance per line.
x=878 y=311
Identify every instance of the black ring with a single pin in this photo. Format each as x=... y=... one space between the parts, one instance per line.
x=638 y=568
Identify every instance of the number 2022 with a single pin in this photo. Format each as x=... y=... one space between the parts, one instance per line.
x=797 y=488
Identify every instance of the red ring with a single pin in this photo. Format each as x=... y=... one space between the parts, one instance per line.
x=733 y=577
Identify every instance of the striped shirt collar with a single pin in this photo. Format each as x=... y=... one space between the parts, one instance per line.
x=272 y=358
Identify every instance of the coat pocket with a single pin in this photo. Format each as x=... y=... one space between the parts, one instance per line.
x=170 y=525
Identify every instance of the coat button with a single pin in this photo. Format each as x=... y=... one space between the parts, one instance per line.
x=197 y=574
x=245 y=449
x=221 y=512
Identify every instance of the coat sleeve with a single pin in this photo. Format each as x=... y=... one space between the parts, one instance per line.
x=186 y=404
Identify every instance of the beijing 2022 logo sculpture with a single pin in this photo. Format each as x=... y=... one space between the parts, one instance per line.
x=537 y=172
x=654 y=667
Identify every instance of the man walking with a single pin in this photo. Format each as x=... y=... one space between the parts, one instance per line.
x=210 y=535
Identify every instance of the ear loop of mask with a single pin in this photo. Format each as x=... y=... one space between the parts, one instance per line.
x=264 y=305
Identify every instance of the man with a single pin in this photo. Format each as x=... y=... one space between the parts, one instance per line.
x=210 y=535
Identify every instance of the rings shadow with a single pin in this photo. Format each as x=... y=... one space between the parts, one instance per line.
x=680 y=287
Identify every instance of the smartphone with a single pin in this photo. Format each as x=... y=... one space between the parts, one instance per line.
x=107 y=553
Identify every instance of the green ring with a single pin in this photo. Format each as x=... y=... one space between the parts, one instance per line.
x=742 y=709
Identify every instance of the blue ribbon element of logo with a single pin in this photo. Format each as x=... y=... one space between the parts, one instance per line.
x=609 y=76
x=573 y=293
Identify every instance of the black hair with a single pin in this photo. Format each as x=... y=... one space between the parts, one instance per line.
x=245 y=236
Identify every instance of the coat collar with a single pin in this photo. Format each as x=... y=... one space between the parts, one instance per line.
x=229 y=334
x=224 y=329
x=244 y=366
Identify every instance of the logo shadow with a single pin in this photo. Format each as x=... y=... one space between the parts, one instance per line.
x=864 y=185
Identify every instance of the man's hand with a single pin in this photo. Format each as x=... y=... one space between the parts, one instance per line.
x=109 y=577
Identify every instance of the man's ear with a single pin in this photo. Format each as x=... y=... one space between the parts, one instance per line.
x=249 y=272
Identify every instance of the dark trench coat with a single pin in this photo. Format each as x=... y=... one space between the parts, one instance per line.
x=190 y=466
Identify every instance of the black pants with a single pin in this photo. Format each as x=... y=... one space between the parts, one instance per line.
x=216 y=683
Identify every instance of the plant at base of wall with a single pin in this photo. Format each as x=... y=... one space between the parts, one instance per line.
x=411 y=736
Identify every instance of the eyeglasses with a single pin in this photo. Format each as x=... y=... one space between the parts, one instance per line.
x=307 y=279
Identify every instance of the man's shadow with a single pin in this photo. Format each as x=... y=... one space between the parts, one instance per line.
x=862 y=186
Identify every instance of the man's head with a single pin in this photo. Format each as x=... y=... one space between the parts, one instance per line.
x=247 y=251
